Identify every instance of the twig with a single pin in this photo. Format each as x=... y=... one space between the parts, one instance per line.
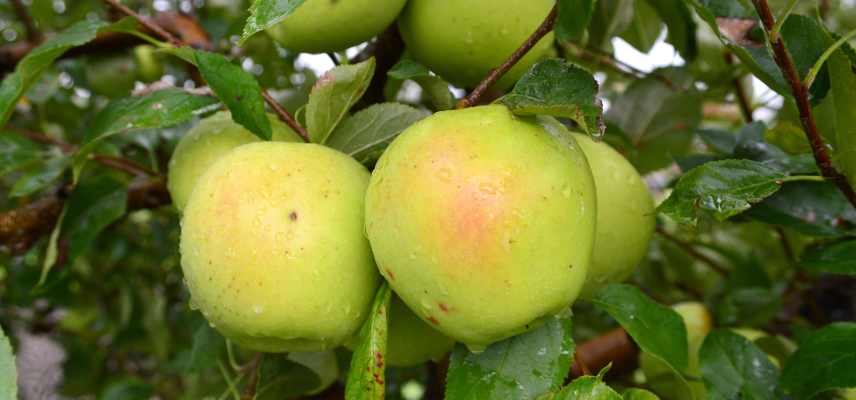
x=285 y=116
x=689 y=249
x=614 y=347
x=608 y=60
x=786 y=246
x=800 y=92
x=495 y=74
x=33 y=34
x=43 y=139
x=253 y=378
x=126 y=166
x=145 y=22
x=740 y=93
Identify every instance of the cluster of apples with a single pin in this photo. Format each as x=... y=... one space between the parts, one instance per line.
x=482 y=222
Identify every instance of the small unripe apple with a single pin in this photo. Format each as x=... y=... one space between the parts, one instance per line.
x=625 y=216
x=206 y=143
x=482 y=222
x=273 y=250
x=660 y=377
x=112 y=75
x=462 y=40
x=149 y=62
x=411 y=340
x=319 y=26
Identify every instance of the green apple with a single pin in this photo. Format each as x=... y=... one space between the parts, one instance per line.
x=482 y=222
x=462 y=40
x=625 y=216
x=273 y=250
x=319 y=26
x=206 y=143
x=149 y=62
x=660 y=377
x=112 y=75
x=411 y=340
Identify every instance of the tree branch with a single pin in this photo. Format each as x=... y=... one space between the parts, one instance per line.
x=283 y=115
x=150 y=25
x=495 y=74
x=800 y=92
x=740 y=93
x=33 y=33
x=253 y=377
x=614 y=347
x=687 y=247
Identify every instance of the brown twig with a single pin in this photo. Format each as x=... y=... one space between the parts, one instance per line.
x=124 y=165
x=614 y=347
x=386 y=50
x=740 y=93
x=691 y=250
x=253 y=378
x=786 y=246
x=33 y=33
x=801 y=96
x=495 y=74
x=285 y=116
x=145 y=22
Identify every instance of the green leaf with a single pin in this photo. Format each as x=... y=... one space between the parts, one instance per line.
x=558 y=88
x=207 y=347
x=282 y=378
x=645 y=28
x=825 y=360
x=17 y=152
x=812 y=208
x=94 y=205
x=267 y=13
x=735 y=368
x=843 y=83
x=657 y=329
x=28 y=70
x=722 y=188
x=573 y=19
x=366 y=378
x=40 y=176
x=128 y=389
x=333 y=95
x=8 y=372
x=638 y=394
x=610 y=18
x=837 y=258
x=681 y=25
x=587 y=388
x=238 y=90
x=436 y=88
x=159 y=109
x=366 y=134
x=521 y=367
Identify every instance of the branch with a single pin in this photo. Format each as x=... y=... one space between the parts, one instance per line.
x=687 y=247
x=495 y=74
x=800 y=92
x=126 y=166
x=740 y=93
x=33 y=34
x=614 y=347
x=283 y=115
x=145 y=22
x=387 y=50
x=253 y=377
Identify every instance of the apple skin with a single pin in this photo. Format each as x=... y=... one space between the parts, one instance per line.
x=661 y=378
x=319 y=26
x=207 y=142
x=462 y=40
x=411 y=340
x=625 y=216
x=272 y=247
x=482 y=222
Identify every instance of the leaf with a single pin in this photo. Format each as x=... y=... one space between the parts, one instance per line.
x=267 y=13
x=366 y=377
x=558 y=88
x=238 y=90
x=735 y=368
x=436 y=88
x=723 y=188
x=159 y=109
x=843 y=83
x=207 y=346
x=40 y=176
x=812 y=208
x=333 y=95
x=573 y=19
x=610 y=18
x=681 y=25
x=364 y=135
x=644 y=29
x=94 y=205
x=587 y=388
x=521 y=367
x=28 y=70
x=825 y=360
x=8 y=371
x=638 y=394
x=17 y=152
x=837 y=258
x=282 y=378
x=657 y=329
x=128 y=389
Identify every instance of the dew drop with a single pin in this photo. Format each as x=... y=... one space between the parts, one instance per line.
x=257 y=309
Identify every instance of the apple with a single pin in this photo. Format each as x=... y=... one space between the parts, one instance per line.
x=149 y=62
x=273 y=250
x=411 y=341
x=206 y=143
x=112 y=75
x=625 y=216
x=660 y=377
x=482 y=222
x=319 y=26
x=462 y=40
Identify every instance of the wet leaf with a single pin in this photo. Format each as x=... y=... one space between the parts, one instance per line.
x=735 y=368
x=267 y=13
x=825 y=359
x=837 y=258
x=366 y=379
x=366 y=134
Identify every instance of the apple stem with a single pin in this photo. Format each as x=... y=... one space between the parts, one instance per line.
x=495 y=74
